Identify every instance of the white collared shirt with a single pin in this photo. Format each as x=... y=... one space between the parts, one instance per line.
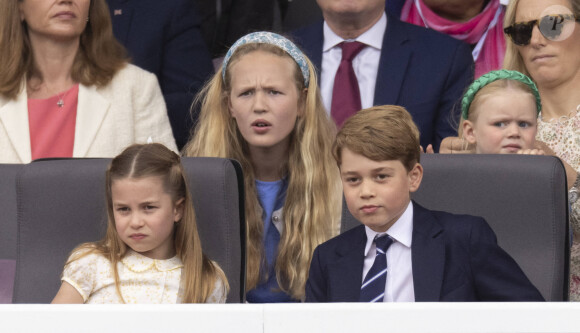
x=365 y=64
x=399 y=285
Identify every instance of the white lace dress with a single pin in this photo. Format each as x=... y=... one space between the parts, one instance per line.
x=563 y=137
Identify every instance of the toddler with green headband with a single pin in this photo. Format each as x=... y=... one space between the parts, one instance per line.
x=499 y=114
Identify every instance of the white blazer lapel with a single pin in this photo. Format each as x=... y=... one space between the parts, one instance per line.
x=91 y=110
x=14 y=119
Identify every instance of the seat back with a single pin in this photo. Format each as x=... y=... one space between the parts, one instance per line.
x=61 y=203
x=8 y=174
x=523 y=198
x=217 y=189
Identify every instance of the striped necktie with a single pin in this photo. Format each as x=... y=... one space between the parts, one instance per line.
x=373 y=287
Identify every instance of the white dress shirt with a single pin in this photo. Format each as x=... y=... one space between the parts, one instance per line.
x=399 y=285
x=365 y=64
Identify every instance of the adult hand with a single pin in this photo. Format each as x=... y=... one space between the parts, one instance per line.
x=454 y=145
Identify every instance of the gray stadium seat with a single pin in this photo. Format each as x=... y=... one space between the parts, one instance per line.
x=8 y=173
x=523 y=198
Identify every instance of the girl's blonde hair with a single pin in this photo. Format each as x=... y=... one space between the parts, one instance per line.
x=98 y=59
x=138 y=161
x=313 y=200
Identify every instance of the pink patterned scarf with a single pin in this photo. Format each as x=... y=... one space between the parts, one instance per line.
x=485 y=31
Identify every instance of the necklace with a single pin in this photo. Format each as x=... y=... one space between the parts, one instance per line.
x=60 y=101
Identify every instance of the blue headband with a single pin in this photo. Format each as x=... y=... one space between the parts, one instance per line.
x=264 y=37
x=487 y=78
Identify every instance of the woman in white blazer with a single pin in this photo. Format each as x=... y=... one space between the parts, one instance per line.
x=66 y=89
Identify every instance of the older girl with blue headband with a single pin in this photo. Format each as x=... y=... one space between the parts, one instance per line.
x=264 y=109
x=499 y=114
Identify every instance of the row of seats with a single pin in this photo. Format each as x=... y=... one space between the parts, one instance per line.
x=50 y=206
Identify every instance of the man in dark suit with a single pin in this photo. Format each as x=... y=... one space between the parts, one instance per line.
x=404 y=252
x=422 y=70
x=163 y=37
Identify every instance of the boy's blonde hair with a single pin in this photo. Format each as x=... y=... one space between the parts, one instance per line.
x=380 y=133
x=138 y=161
x=313 y=199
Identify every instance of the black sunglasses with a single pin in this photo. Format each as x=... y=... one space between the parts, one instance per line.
x=551 y=27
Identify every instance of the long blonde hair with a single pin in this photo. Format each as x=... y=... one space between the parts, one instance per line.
x=313 y=199
x=98 y=59
x=512 y=59
x=138 y=161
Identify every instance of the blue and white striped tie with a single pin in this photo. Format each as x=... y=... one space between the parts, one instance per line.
x=373 y=287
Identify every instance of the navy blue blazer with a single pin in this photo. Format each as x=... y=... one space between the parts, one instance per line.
x=394 y=7
x=454 y=258
x=163 y=37
x=420 y=69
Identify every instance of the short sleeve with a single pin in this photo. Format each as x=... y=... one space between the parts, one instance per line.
x=220 y=290
x=81 y=273
x=575 y=216
x=219 y=293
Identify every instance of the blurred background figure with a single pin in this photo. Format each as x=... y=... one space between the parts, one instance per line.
x=224 y=21
x=66 y=89
x=476 y=22
x=366 y=58
x=165 y=38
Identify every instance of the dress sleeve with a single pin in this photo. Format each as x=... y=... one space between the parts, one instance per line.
x=575 y=216
x=220 y=289
x=81 y=273
x=219 y=293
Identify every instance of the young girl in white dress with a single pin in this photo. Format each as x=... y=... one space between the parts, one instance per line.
x=499 y=114
x=151 y=252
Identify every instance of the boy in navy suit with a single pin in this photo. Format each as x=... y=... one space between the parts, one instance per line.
x=404 y=252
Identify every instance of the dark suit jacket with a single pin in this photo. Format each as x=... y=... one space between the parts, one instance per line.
x=394 y=7
x=420 y=69
x=163 y=37
x=454 y=258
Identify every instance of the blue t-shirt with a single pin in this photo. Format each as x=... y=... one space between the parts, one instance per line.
x=271 y=196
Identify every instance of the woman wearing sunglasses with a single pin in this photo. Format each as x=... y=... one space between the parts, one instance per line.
x=544 y=43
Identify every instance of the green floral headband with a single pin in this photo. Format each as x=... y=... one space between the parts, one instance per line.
x=502 y=74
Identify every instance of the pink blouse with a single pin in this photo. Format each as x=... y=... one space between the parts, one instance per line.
x=52 y=124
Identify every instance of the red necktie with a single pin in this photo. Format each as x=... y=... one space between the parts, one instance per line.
x=345 y=93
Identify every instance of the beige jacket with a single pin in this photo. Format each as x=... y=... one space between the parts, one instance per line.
x=130 y=109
